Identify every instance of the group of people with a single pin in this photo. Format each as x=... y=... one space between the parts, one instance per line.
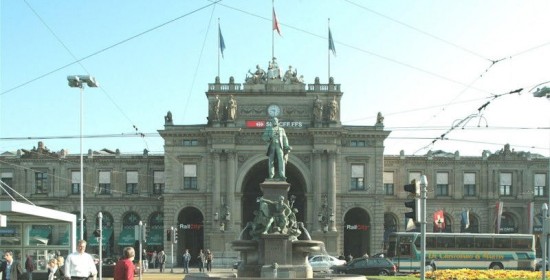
x=204 y=259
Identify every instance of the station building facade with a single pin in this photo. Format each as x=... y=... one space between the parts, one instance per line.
x=206 y=184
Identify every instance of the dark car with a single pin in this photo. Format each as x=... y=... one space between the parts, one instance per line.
x=367 y=266
x=538 y=266
x=236 y=264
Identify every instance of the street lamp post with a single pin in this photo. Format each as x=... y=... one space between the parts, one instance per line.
x=78 y=81
x=100 y=220
x=423 y=197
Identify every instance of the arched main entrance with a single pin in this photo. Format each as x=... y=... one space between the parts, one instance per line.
x=357 y=232
x=190 y=231
x=251 y=190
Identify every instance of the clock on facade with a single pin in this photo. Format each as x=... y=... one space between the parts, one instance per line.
x=273 y=110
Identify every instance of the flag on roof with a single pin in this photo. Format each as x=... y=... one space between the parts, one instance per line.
x=331 y=43
x=276 y=23
x=222 y=43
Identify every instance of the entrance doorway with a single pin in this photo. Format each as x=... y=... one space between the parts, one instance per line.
x=357 y=232
x=190 y=231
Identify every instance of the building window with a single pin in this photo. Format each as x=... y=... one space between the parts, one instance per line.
x=357 y=177
x=442 y=184
x=189 y=176
x=505 y=188
x=6 y=184
x=190 y=142
x=469 y=184
x=131 y=182
x=158 y=182
x=75 y=182
x=357 y=143
x=388 y=183
x=540 y=184
x=41 y=182
x=104 y=182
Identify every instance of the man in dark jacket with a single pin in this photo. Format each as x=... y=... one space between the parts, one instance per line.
x=11 y=269
x=29 y=266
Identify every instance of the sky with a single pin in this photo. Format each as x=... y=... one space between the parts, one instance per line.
x=428 y=66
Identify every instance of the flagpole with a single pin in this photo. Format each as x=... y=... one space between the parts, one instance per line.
x=328 y=52
x=218 y=48
x=272 y=29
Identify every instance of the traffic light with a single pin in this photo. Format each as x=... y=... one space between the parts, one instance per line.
x=175 y=235
x=415 y=209
x=414 y=191
x=169 y=235
x=413 y=188
x=144 y=233
x=97 y=233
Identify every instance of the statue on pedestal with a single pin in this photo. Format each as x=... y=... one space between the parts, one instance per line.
x=277 y=149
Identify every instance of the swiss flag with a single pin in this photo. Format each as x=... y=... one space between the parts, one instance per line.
x=439 y=219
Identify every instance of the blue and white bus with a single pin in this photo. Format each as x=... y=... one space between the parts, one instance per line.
x=463 y=250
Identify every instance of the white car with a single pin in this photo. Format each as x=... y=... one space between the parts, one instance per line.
x=322 y=263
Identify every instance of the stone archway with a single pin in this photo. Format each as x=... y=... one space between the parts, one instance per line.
x=251 y=190
x=390 y=225
x=357 y=232
x=190 y=232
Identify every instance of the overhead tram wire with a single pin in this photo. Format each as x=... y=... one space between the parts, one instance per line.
x=464 y=121
x=86 y=70
x=324 y=37
x=264 y=18
x=109 y=47
x=421 y=31
x=198 y=62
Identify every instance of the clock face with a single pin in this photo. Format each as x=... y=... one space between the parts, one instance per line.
x=273 y=110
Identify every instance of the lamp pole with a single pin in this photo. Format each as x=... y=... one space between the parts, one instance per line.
x=100 y=218
x=423 y=197
x=544 y=238
x=78 y=81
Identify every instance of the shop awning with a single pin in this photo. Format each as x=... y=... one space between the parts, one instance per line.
x=107 y=232
x=154 y=237
x=40 y=235
x=127 y=237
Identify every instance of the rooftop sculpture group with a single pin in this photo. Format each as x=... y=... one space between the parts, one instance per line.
x=260 y=76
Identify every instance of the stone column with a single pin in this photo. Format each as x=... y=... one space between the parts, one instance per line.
x=230 y=200
x=332 y=185
x=216 y=189
x=317 y=189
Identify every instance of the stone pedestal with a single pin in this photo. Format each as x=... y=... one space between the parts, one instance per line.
x=275 y=255
x=273 y=189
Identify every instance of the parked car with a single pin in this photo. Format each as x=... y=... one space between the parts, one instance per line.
x=538 y=266
x=367 y=266
x=322 y=263
x=236 y=264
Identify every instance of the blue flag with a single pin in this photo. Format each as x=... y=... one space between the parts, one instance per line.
x=331 y=43
x=222 y=43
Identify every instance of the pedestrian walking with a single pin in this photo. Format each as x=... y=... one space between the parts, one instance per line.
x=11 y=269
x=202 y=260
x=161 y=260
x=144 y=260
x=80 y=265
x=29 y=266
x=209 y=258
x=186 y=259
x=154 y=259
x=124 y=268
